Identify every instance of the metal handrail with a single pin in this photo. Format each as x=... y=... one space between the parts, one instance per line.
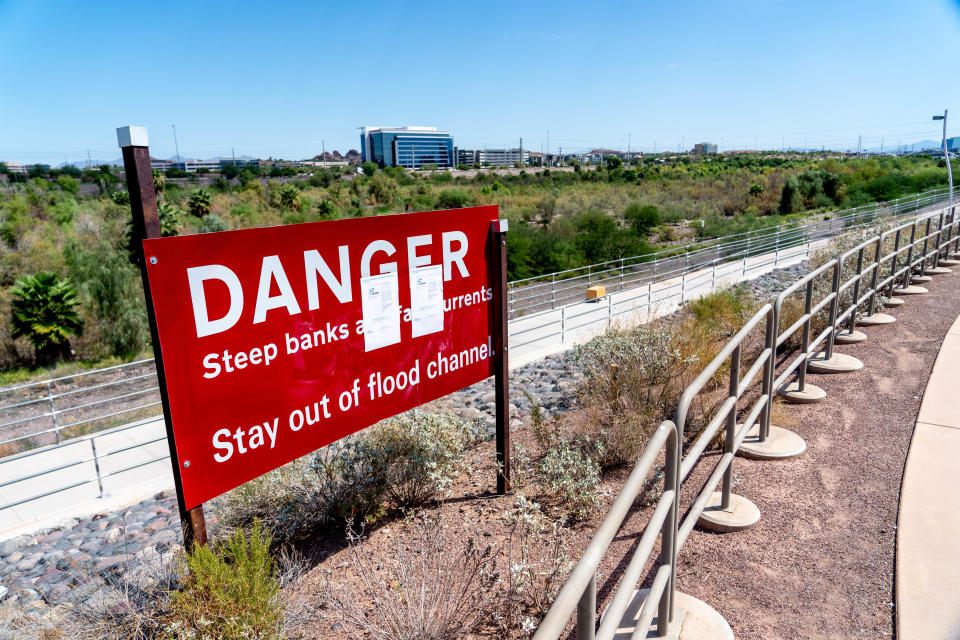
x=785 y=236
x=579 y=592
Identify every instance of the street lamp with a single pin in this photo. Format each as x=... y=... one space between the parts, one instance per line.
x=946 y=154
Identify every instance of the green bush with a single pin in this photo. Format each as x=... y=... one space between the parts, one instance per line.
x=642 y=218
x=211 y=224
x=230 y=592
x=452 y=199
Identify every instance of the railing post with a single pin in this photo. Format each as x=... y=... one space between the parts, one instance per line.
x=713 y=276
x=553 y=290
x=622 y=267
x=908 y=276
x=609 y=310
x=669 y=531
x=769 y=370
x=53 y=413
x=875 y=277
x=893 y=264
x=805 y=340
x=731 y=427
x=926 y=246
x=563 y=314
x=852 y=322
x=587 y=611
x=96 y=465
x=683 y=287
x=834 y=306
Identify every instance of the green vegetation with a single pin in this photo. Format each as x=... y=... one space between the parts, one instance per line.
x=50 y=221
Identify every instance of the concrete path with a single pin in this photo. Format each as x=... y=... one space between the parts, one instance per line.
x=928 y=534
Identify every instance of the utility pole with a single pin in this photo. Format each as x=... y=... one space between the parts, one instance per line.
x=176 y=146
x=548 y=143
x=521 y=152
x=946 y=154
x=881 y=146
x=859 y=146
x=323 y=157
x=233 y=155
x=629 y=138
x=89 y=161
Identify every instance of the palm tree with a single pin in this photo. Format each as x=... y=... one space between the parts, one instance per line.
x=199 y=203
x=159 y=183
x=44 y=311
x=757 y=190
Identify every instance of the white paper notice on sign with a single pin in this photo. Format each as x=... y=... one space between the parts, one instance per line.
x=380 y=300
x=426 y=300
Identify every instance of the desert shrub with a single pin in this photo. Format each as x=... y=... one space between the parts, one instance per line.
x=212 y=224
x=230 y=592
x=288 y=501
x=632 y=379
x=439 y=582
x=569 y=476
x=433 y=585
x=723 y=312
x=404 y=462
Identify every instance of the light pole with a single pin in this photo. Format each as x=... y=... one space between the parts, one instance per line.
x=946 y=154
x=176 y=146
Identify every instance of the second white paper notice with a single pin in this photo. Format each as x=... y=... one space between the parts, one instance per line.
x=380 y=301
x=426 y=300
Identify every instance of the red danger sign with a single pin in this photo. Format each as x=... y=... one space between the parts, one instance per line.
x=278 y=341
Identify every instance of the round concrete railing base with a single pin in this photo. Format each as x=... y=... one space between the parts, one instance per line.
x=741 y=514
x=893 y=302
x=837 y=363
x=811 y=393
x=910 y=290
x=949 y=262
x=849 y=337
x=780 y=444
x=938 y=271
x=875 y=319
x=692 y=620
x=920 y=279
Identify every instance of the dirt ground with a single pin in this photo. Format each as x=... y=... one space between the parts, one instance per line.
x=820 y=562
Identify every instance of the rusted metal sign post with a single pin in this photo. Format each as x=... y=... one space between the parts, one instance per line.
x=146 y=224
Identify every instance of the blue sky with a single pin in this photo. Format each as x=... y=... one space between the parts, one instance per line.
x=279 y=78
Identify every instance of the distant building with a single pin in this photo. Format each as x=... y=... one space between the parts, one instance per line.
x=408 y=147
x=15 y=167
x=161 y=165
x=953 y=145
x=492 y=157
x=702 y=148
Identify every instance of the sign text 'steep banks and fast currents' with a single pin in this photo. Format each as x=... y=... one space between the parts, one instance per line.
x=278 y=341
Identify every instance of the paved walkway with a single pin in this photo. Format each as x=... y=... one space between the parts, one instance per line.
x=928 y=534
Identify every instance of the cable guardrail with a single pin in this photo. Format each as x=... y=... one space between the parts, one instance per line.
x=556 y=289
x=838 y=289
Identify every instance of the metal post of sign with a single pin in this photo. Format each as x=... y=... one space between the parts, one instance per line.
x=146 y=224
x=501 y=352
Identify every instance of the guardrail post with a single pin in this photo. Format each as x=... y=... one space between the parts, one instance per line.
x=553 y=290
x=609 y=310
x=563 y=323
x=852 y=322
x=589 y=275
x=587 y=611
x=622 y=267
x=893 y=264
x=669 y=531
x=834 y=305
x=53 y=413
x=731 y=428
x=713 y=276
x=96 y=465
x=926 y=240
x=908 y=274
x=683 y=287
x=769 y=371
x=805 y=340
x=874 y=278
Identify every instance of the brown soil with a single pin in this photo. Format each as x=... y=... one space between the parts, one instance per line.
x=820 y=562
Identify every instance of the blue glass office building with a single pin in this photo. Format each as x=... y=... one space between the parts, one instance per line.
x=409 y=147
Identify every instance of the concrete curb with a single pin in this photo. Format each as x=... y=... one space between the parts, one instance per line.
x=928 y=559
